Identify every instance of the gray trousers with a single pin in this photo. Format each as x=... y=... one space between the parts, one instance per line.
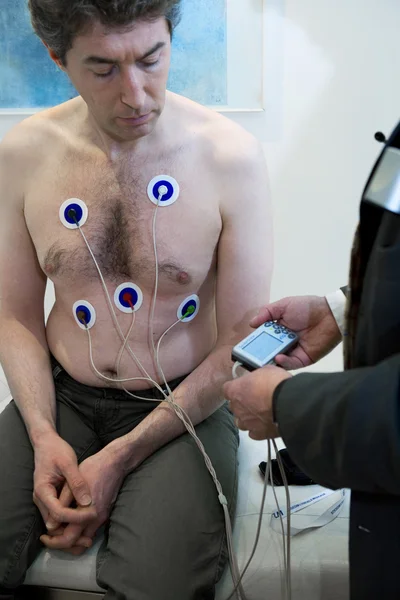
x=165 y=539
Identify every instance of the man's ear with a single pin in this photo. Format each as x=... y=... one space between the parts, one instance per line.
x=54 y=57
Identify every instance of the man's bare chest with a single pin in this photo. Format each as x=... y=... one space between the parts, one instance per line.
x=123 y=226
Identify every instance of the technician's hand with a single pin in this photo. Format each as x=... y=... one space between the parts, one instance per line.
x=311 y=318
x=250 y=398
x=104 y=479
x=55 y=464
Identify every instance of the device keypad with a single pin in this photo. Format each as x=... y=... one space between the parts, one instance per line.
x=280 y=329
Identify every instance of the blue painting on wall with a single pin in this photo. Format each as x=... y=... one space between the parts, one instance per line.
x=29 y=79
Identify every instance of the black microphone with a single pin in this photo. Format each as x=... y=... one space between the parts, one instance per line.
x=380 y=137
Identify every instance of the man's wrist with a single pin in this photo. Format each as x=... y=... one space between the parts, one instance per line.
x=39 y=431
x=123 y=454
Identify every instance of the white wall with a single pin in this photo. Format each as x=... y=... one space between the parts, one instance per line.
x=331 y=81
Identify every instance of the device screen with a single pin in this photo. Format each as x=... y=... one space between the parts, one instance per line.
x=262 y=346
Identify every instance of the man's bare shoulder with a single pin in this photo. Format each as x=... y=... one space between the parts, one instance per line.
x=225 y=142
x=24 y=147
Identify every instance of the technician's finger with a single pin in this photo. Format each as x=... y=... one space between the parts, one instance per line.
x=272 y=312
x=241 y=425
x=229 y=389
x=297 y=359
x=258 y=435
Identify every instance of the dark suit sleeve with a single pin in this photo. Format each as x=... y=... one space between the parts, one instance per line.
x=343 y=429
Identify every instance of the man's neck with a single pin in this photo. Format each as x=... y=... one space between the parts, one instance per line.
x=115 y=148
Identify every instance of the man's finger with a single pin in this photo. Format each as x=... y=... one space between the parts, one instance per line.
x=69 y=538
x=42 y=508
x=47 y=495
x=91 y=530
x=78 y=485
x=81 y=546
x=66 y=496
x=65 y=499
x=54 y=532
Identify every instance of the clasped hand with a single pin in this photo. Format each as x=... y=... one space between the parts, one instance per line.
x=92 y=487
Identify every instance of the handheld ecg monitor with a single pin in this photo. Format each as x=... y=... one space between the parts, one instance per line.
x=261 y=347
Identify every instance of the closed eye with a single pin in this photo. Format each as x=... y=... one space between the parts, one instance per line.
x=110 y=72
x=150 y=63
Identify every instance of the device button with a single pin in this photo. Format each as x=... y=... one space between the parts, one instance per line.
x=291 y=336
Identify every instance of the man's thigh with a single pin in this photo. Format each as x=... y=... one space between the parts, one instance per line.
x=166 y=534
x=21 y=524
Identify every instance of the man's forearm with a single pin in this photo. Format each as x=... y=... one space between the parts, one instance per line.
x=200 y=395
x=26 y=363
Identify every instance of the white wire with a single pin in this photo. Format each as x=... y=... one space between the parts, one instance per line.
x=189 y=426
x=117 y=365
x=258 y=532
x=288 y=539
x=117 y=379
x=178 y=409
x=235 y=368
x=153 y=306
x=181 y=414
x=268 y=471
x=111 y=307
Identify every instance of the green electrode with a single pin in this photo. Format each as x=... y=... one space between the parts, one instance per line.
x=189 y=312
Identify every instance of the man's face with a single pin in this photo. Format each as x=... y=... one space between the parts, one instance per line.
x=122 y=76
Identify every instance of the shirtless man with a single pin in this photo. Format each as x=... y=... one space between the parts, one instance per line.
x=86 y=450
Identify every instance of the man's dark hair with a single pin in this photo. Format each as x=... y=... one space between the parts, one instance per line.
x=58 y=22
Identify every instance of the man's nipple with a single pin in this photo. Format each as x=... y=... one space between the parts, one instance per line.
x=183 y=277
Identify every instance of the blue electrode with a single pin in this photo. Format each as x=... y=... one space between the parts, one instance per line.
x=73 y=213
x=163 y=190
x=128 y=297
x=189 y=309
x=84 y=313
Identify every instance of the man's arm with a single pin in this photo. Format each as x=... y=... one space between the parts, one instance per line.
x=24 y=352
x=23 y=347
x=343 y=429
x=243 y=283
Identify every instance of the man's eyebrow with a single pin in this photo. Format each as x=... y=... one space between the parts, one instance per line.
x=153 y=50
x=101 y=60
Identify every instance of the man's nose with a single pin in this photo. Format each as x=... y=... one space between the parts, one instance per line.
x=132 y=89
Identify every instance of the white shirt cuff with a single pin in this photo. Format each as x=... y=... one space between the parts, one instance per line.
x=337 y=303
